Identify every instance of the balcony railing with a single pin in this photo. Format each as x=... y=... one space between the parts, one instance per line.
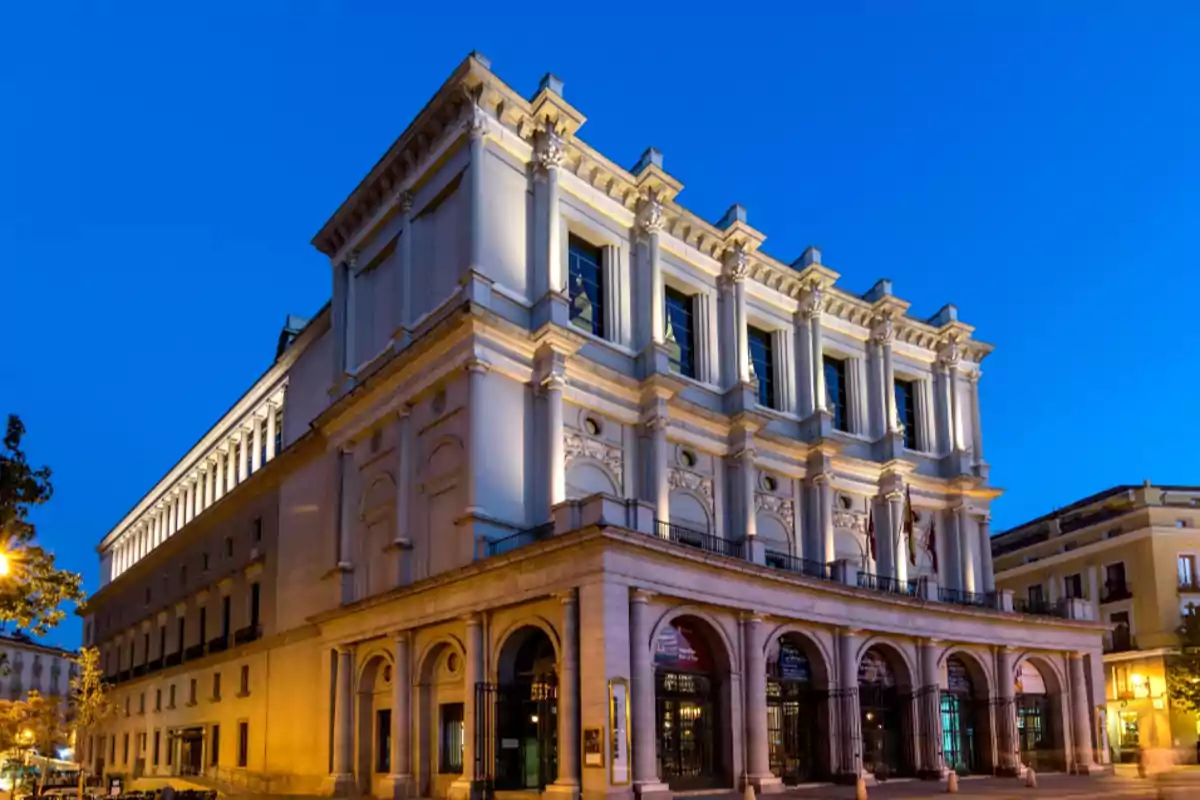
x=520 y=539
x=882 y=583
x=1189 y=585
x=173 y=659
x=193 y=652
x=218 y=645
x=1040 y=608
x=1122 y=642
x=139 y=670
x=248 y=634
x=1114 y=592
x=800 y=566
x=960 y=597
x=699 y=540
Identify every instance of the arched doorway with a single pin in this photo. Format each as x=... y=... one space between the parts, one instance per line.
x=526 y=736
x=885 y=706
x=964 y=713
x=440 y=712
x=691 y=702
x=374 y=724
x=796 y=709
x=1038 y=730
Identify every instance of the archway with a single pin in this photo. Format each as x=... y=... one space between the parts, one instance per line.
x=965 y=715
x=1039 y=716
x=526 y=735
x=885 y=705
x=798 y=722
x=692 y=705
x=440 y=731
x=373 y=723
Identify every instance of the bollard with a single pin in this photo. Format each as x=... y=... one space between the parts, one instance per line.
x=1030 y=778
x=748 y=793
x=860 y=789
x=952 y=783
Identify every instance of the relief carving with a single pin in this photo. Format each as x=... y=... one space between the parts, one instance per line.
x=698 y=484
x=784 y=508
x=850 y=520
x=576 y=445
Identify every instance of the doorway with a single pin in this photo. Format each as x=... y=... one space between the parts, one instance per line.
x=526 y=716
x=688 y=700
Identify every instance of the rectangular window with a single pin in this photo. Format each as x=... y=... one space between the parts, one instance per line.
x=203 y=624
x=216 y=695
x=1114 y=578
x=229 y=547
x=225 y=617
x=1036 y=596
x=254 y=600
x=906 y=411
x=450 y=758
x=383 y=740
x=585 y=264
x=142 y=703
x=262 y=438
x=258 y=529
x=835 y=392
x=243 y=743
x=170 y=752
x=182 y=634
x=278 y=429
x=141 y=746
x=157 y=742
x=171 y=697
x=214 y=750
x=1187 y=572
x=1073 y=586
x=112 y=749
x=125 y=749
x=162 y=640
x=127 y=706
x=192 y=692
x=158 y=699
x=762 y=361
x=245 y=680
x=679 y=334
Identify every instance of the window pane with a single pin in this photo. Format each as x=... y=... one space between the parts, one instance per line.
x=763 y=361
x=585 y=286
x=906 y=412
x=678 y=336
x=451 y=755
x=835 y=392
x=383 y=740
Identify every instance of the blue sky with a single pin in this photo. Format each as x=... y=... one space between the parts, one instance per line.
x=162 y=171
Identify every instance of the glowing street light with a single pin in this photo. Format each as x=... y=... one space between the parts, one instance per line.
x=3 y=565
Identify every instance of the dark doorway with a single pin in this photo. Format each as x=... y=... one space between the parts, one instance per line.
x=191 y=751
x=526 y=742
x=793 y=714
x=1035 y=733
x=687 y=694
x=884 y=709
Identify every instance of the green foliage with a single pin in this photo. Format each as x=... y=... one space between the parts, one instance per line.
x=33 y=591
x=90 y=703
x=1183 y=668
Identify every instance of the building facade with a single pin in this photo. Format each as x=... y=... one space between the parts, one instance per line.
x=570 y=490
x=29 y=666
x=1132 y=552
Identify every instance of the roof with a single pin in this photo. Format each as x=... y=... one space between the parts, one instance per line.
x=1092 y=500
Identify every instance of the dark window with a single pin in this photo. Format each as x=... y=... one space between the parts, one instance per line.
x=835 y=392
x=258 y=529
x=162 y=640
x=192 y=691
x=243 y=743
x=262 y=438
x=762 y=358
x=1036 y=595
x=112 y=749
x=203 y=624
x=157 y=742
x=225 y=617
x=229 y=547
x=158 y=699
x=214 y=750
x=245 y=680
x=182 y=634
x=127 y=706
x=147 y=595
x=145 y=647
x=679 y=337
x=906 y=411
x=586 y=285
x=278 y=429
x=125 y=749
x=1114 y=577
x=182 y=575
x=142 y=703
x=451 y=751
x=204 y=562
x=171 y=697
x=170 y=752
x=254 y=600
x=216 y=695
x=1073 y=586
x=383 y=740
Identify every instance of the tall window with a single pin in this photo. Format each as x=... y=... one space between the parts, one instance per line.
x=1073 y=586
x=182 y=631
x=245 y=681
x=835 y=392
x=1036 y=596
x=1114 y=578
x=255 y=592
x=225 y=617
x=125 y=749
x=678 y=336
x=450 y=759
x=585 y=285
x=214 y=751
x=158 y=699
x=243 y=743
x=171 y=697
x=162 y=641
x=192 y=692
x=762 y=359
x=216 y=692
x=1187 y=570
x=157 y=742
x=278 y=429
x=262 y=450
x=906 y=411
x=383 y=740
x=203 y=624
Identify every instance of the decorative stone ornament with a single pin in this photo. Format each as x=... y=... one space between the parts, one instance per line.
x=551 y=150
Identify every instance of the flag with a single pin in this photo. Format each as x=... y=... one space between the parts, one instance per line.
x=910 y=527
x=871 y=533
x=931 y=542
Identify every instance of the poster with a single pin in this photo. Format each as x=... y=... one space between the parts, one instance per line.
x=593 y=747
x=618 y=724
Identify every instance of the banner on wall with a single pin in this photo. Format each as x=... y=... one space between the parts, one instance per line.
x=680 y=647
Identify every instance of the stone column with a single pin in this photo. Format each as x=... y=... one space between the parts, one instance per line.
x=736 y=268
x=404 y=279
x=401 y=776
x=338 y=306
x=550 y=154
x=899 y=538
x=568 y=699
x=641 y=685
x=758 y=761
x=657 y=427
x=1081 y=721
x=353 y=358
x=472 y=677
x=823 y=483
x=556 y=474
x=988 y=578
x=850 y=746
x=955 y=412
x=812 y=312
x=650 y=219
x=189 y=500
x=256 y=454
x=271 y=432
x=749 y=521
x=476 y=133
x=976 y=430
x=404 y=475
x=477 y=411
x=966 y=550
x=343 y=719
x=804 y=366
x=231 y=466
x=1006 y=719
x=931 y=711
x=346 y=517
x=243 y=455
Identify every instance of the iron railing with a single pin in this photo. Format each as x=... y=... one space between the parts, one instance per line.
x=195 y=651
x=1121 y=642
x=173 y=659
x=698 y=539
x=882 y=583
x=247 y=634
x=800 y=566
x=1039 y=608
x=520 y=539
x=1114 y=592
x=960 y=597
x=219 y=644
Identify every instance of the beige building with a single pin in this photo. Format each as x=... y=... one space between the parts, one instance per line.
x=569 y=490
x=28 y=665
x=1131 y=551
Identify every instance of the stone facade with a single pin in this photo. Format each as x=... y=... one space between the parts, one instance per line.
x=580 y=493
x=28 y=666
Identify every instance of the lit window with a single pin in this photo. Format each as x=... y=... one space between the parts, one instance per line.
x=678 y=336
x=1187 y=571
x=451 y=756
x=383 y=740
x=906 y=411
x=586 y=286
x=762 y=360
x=243 y=754
x=835 y=392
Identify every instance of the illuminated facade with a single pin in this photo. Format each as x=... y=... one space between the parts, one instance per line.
x=29 y=666
x=580 y=493
x=1131 y=551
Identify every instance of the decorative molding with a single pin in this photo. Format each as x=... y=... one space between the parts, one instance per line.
x=650 y=217
x=576 y=445
x=693 y=482
x=781 y=506
x=551 y=151
x=736 y=263
x=850 y=520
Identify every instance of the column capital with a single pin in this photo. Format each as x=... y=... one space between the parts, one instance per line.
x=478 y=365
x=472 y=619
x=973 y=376
x=755 y=617
x=929 y=641
x=949 y=355
x=553 y=382
x=1076 y=655
x=638 y=595
x=550 y=150
x=567 y=596
x=847 y=631
x=402 y=200
x=403 y=412
x=350 y=260
x=344 y=649
x=822 y=477
x=735 y=264
x=401 y=636
x=650 y=216
x=883 y=330
x=811 y=304
x=476 y=124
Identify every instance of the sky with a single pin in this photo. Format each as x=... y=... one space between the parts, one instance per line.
x=163 y=168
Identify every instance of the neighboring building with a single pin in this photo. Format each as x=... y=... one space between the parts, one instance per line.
x=570 y=489
x=1132 y=551
x=28 y=665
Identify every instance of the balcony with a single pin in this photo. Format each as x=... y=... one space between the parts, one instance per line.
x=882 y=583
x=194 y=652
x=1040 y=608
x=1114 y=592
x=1119 y=642
x=698 y=539
x=799 y=566
x=173 y=660
x=1188 y=585
x=250 y=633
x=963 y=598
x=139 y=670
x=218 y=645
x=529 y=536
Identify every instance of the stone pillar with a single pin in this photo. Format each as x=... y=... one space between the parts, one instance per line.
x=343 y=720
x=189 y=500
x=804 y=365
x=219 y=473
x=401 y=777
x=899 y=537
x=477 y=411
x=651 y=221
x=1081 y=721
x=404 y=479
x=966 y=550
x=472 y=676
x=930 y=712
x=813 y=313
x=736 y=269
x=850 y=725
x=341 y=279
x=988 y=576
x=476 y=133
x=271 y=432
x=824 y=515
x=976 y=430
x=353 y=358
x=657 y=427
x=231 y=466
x=404 y=279
x=889 y=387
x=747 y=469
x=256 y=454
x=1007 y=746
x=758 y=761
x=641 y=685
x=955 y=412
x=243 y=455
x=550 y=154
x=346 y=516
x=556 y=490
x=567 y=783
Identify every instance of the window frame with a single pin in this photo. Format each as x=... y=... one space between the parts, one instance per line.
x=450 y=766
x=243 y=753
x=599 y=323
x=843 y=387
x=687 y=302
x=1194 y=563
x=770 y=387
x=911 y=440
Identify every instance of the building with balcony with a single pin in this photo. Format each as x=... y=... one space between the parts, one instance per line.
x=1132 y=552
x=570 y=490
x=26 y=665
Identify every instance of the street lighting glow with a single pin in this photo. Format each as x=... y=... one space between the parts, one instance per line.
x=3 y=565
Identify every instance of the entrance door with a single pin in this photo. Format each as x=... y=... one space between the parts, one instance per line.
x=191 y=751
x=526 y=718
x=1034 y=732
x=958 y=733
x=792 y=719
x=686 y=735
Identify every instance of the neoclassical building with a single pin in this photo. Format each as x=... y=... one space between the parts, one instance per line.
x=569 y=490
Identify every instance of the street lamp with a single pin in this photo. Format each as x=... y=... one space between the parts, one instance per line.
x=3 y=565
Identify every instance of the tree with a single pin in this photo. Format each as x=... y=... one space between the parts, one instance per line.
x=90 y=703
x=1183 y=668
x=33 y=592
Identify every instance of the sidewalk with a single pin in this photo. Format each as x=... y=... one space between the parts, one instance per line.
x=1181 y=784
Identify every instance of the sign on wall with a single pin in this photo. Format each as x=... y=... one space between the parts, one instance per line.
x=681 y=647
x=618 y=725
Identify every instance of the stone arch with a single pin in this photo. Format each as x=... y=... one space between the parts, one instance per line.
x=982 y=681
x=850 y=544
x=587 y=476
x=444 y=456
x=372 y=693
x=516 y=628
x=721 y=635
x=431 y=652
x=690 y=509
x=772 y=529
x=1051 y=675
x=887 y=707
x=435 y=687
x=969 y=721
x=1046 y=703
x=380 y=494
x=375 y=533
x=897 y=657
x=819 y=657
